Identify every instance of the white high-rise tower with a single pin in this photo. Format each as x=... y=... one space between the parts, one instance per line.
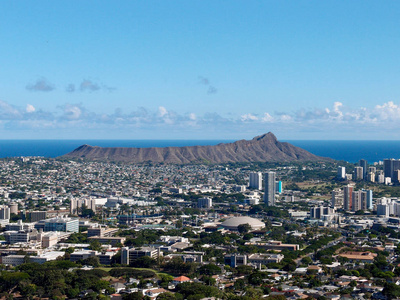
x=255 y=181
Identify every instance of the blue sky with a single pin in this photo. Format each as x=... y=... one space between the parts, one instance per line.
x=199 y=69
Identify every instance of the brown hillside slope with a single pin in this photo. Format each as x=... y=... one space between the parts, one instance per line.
x=260 y=149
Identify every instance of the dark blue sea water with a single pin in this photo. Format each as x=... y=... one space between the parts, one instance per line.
x=351 y=151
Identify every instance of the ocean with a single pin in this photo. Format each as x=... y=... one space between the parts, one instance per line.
x=351 y=151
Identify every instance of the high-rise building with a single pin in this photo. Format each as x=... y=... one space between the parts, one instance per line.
x=359 y=200
x=73 y=206
x=76 y=204
x=358 y=173
x=364 y=165
x=348 y=197
x=396 y=209
x=381 y=178
x=37 y=215
x=279 y=187
x=255 y=181
x=319 y=212
x=13 y=208
x=337 y=198
x=341 y=173
x=369 y=200
x=204 y=202
x=4 y=212
x=390 y=166
x=269 y=188
x=371 y=177
x=382 y=210
x=356 y=200
x=396 y=176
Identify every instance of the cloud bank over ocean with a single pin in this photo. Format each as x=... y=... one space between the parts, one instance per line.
x=317 y=120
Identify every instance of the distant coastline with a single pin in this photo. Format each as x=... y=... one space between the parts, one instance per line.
x=350 y=151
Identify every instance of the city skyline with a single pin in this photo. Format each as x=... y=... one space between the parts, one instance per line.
x=199 y=69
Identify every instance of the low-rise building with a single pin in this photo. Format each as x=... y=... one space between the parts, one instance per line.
x=59 y=224
x=81 y=255
x=359 y=256
x=264 y=259
x=22 y=236
x=16 y=260
x=108 y=240
x=101 y=231
x=235 y=260
x=129 y=254
x=275 y=245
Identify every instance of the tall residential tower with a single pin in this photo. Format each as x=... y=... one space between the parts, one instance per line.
x=255 y=180
x=364 y=164
x=269 y=188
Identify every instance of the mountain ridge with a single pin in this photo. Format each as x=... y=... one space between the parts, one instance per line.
x=262 y=148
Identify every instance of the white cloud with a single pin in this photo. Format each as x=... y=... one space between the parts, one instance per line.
x=72 y=112
x=30 y=108
x=387 y=111
x=382 y=117
x=285 y=117
x=9 y=112
x=267 y=118
x=162 y=111
x=336 y=106
x=248 y=117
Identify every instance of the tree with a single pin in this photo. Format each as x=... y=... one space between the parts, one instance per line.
x=77 y=238
x=210 y=269
x=244 y=228
x=239 y=285
x=256 y=278
x=95 y=245
x=208 y=280
x=179 y=224
x=27 y=288
x=253 y=293
x=133 y=296
x=143 y=262
x=166 y=296
x=391 y=290
x=289 y=264
x=306 y=260
x=193 y=290
x=70 y=250
x=87 y=212
x=244 y=270
x=92 y=261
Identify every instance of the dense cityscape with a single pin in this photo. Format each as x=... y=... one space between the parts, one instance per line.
x=97 y=230
x=199 y=150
